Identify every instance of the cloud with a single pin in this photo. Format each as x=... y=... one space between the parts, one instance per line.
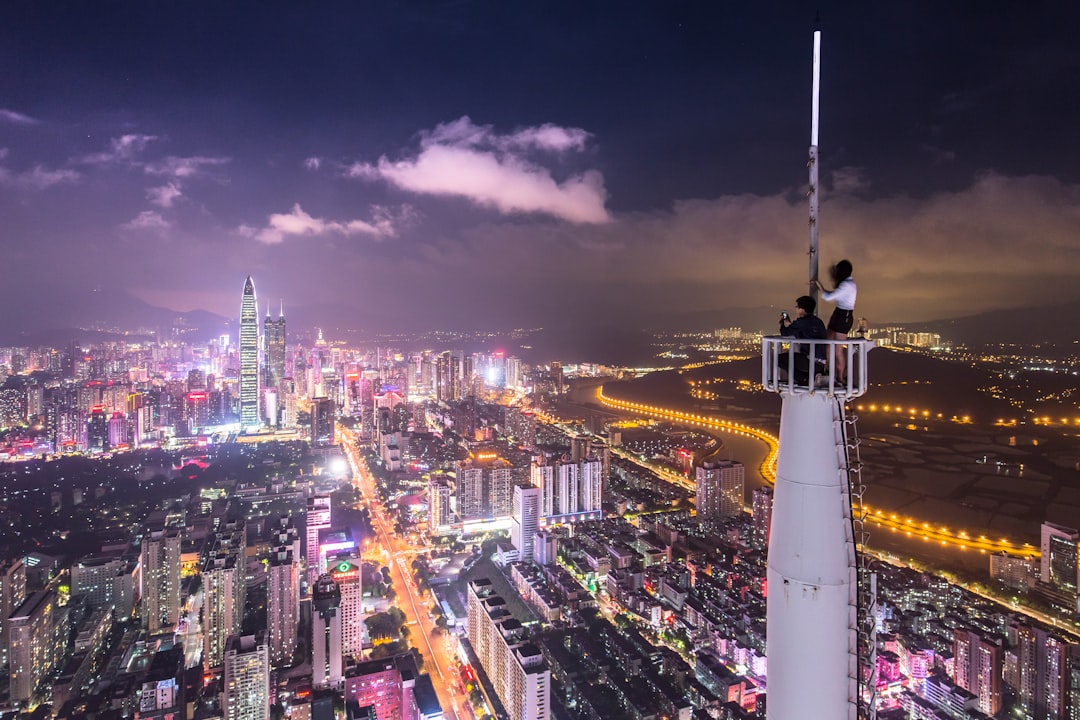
x=16 y=118
x=37 y=178
x=165 y=195
x=184 y=167
x=147 y=220
x=461 y=159
x=313 y=163
x=123 y=149
x=298 y=223
x=849 y=180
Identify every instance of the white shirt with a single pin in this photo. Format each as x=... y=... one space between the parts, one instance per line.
x=843 y=295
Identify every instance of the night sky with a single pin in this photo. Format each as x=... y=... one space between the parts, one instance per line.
x=500 y=164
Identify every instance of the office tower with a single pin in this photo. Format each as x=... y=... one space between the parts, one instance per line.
x=106 y=582
x=34 y=647
x=322 y=421
x=161 y=579
x=247 y=678
x=763 y=500
x=223 y=596
x=345 y=571
x=249 y=358
x=526 y=520
x=326 y=648
x=516 y=668
x=282 y=605
x=393 y=688
x=274 y=340
x=318 y=518
x=720 y=486
x=1059 y=575
x=438 y=503
x=978 y=664
x=12 y=594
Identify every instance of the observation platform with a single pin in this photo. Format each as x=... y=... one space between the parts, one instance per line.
x=815 y=369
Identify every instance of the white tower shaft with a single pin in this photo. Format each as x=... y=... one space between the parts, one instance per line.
x=811 y=630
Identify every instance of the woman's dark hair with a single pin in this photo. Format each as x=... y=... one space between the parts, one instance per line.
x=840 y=272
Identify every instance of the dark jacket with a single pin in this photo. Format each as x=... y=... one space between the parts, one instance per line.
x=808 y=327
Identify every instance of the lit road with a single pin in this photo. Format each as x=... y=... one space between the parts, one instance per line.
x=911 y=527
x=438 y=655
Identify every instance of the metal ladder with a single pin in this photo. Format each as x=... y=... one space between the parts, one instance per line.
x=862 y=665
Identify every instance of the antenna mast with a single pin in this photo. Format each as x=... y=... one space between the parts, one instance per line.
x=812 y=163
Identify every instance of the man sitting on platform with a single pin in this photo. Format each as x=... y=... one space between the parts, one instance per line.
x=806 y=326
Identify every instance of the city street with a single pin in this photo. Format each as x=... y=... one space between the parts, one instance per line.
x=437 y=651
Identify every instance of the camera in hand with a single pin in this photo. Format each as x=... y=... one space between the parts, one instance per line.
x=784 y=315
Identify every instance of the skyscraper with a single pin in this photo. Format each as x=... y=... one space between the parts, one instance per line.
x=322 y=421
x=161 y=579
x=12 y=594
x=326 y=664
x=249 y=358
x=318 y=518
x=247 y=678
x=978 y=665
x=223 y=603
x=345 y=570
x=274 y=339
x=720 y=487
x=34 y=649
x=763 y=500
x=282 y=605
x=526 y=520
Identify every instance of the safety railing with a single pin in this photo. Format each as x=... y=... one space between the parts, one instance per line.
x=795 y=365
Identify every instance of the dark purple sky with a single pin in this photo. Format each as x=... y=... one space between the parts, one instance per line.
x=511 y=163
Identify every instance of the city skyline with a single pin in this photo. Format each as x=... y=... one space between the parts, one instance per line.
x=523 y=166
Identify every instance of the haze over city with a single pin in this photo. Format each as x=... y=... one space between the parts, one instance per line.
x=486 y=164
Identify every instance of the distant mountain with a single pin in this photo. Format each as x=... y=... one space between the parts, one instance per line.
x=1056 y=324
x=88 y=314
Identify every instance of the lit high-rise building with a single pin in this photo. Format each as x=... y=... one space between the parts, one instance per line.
x=345 y=570
x=1059 y=572
x=326 y=650
x=247 y=678
x=439 y=514
x=526 y=521
x=1043 y=664
x=763 y=501
x=161 y=579
x=318 y=518
x=569 y=490
x=249 y=358
x=514 y=665
x=485 y=487
x=223 y=596
x=720 y=487
x=274 y=340
x=322 y=421
x=12 y=594
x=282 y=605
x=978 y=664
x=33 y=646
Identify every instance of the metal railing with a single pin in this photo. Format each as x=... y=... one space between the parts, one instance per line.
x=795 y=365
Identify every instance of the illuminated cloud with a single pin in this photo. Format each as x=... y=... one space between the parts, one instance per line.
x=298 y=223
x=147 y=220
x=165 y=195
x=184 y=167
x=123 y=149
x=36 y=178
x=313 y=163
x=16 y=118
x=461 y=159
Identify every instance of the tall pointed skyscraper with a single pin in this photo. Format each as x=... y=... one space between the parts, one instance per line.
x=249 y=358
x=274 y=335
